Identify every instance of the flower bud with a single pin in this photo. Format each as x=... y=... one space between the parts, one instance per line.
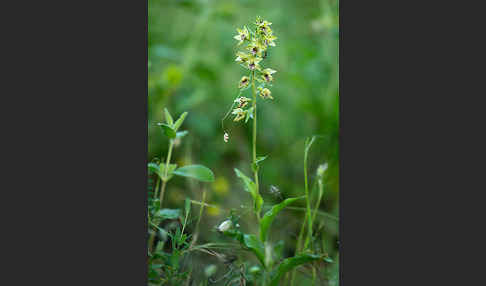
x=225 y=225
x=321 y=170
x=225 y=137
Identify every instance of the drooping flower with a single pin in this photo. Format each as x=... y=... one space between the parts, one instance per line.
x=242 y=101
x=253 y=63
x=240 y=114
x=242 y=57
x=243 y=35
x=244 y=81
x=267 y=74
x=256 y=48
x=269 y=40
x=265 y=93
x=225 y=137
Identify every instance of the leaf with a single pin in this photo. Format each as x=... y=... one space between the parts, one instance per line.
x=198 y=172
x=328 y=259
x=181 y=134
x=271 y=214
x=308 y=144
x=256 y=246
x=288 y=264
x=254 y=165
x=260 y=158
x=168 y=131
x=168 y=117
x=187 y=207
x=168 y=213
x=179 y=121
x=170 y=171
x=251 y=188
x=153 y=167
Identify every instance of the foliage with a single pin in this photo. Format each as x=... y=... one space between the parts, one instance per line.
x=191 y=67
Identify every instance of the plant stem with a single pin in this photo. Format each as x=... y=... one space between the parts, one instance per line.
x=298 y=248
x=318 y=203
x=255 y=133
x=157 y=185
x=171 y=145
x=201 y=208
x=152 y=236
x=308 y=215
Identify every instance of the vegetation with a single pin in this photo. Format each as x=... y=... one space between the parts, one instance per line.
x=203 y=228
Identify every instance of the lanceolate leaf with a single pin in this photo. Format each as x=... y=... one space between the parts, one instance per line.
x=271 y=214
x=181 y=134
x=168 y=213
x=168 y=117
x=168 y=131
x=179 y=121
x=251 y=188
x=254 y=165
x=198 y=172
x=153 y=167
x=288 y=264
x=256 y=246
x=170 y=171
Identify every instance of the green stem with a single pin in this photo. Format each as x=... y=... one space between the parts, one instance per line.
x=255 y=134
x=318 y=203
x=152 y=236
x=298 y=248
x=308 y=215
x=171 y=145
x=157 y=185
x=201 y=208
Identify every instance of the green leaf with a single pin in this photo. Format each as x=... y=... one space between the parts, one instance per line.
x=153 y=167
x=290 y=263
x=187 y=207
x=168 y=131
x=254 y=165
x=328 y=259
x=256 y=246
x=251 y=188
x=170 y=171
x=271 y=214
x=260 y=158
x=181 y=134
x=168 y=117
x=168 y=213
x=308 y=144
x=198 y=172
x=179 y=121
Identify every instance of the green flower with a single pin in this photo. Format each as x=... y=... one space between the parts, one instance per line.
x=269 y=40
x=253 y=63
x=256 y=48
x=242 y=57
x=240 y=114
x=267 y=74
x=265 y=93
x=242 y=101
x=243 y=35
x=244 y=81
x=263 y=26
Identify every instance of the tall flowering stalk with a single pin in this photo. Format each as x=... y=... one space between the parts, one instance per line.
x=253 y=44
x=253 y=47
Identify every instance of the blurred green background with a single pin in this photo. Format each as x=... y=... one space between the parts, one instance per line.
x=192 y=68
